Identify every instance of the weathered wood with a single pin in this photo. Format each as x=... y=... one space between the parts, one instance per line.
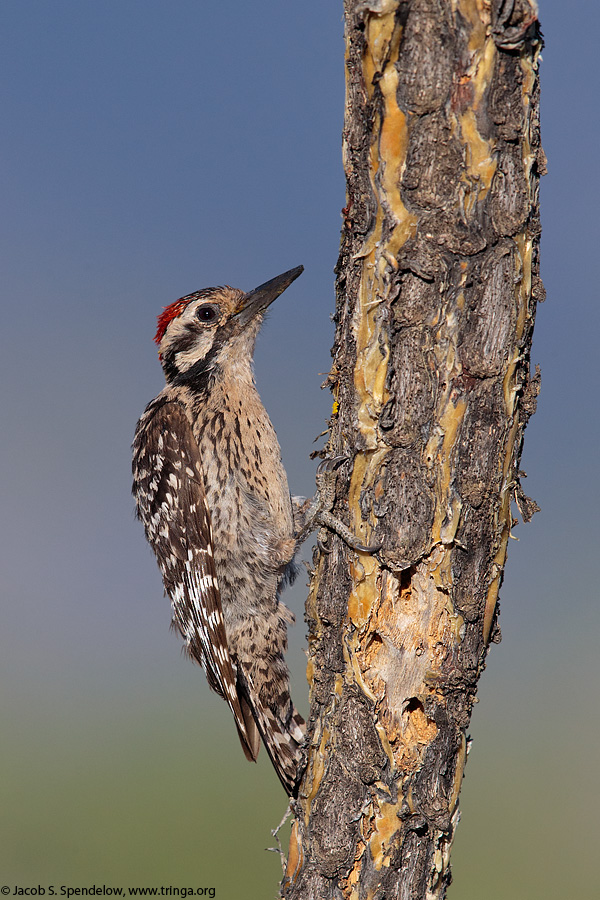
x=437 y=284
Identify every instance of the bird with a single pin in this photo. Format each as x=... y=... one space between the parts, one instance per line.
x=212 y=493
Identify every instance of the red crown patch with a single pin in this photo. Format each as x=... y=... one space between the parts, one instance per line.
x=167 y=315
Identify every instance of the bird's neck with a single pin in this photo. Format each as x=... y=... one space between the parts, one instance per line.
x=232 y=390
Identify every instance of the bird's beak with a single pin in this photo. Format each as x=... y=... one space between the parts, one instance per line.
x=256 y=301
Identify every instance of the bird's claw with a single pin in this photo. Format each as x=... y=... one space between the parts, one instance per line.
x=326 y=466
x=322 y=544
x=319 y=512
x=328 y=521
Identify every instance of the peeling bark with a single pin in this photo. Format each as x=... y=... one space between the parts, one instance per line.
x=437 y=284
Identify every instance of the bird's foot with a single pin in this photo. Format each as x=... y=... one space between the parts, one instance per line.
x=317 y=512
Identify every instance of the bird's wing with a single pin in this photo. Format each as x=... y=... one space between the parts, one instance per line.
x=168 y=486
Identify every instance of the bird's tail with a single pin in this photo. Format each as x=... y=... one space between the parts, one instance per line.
x=280 y=726
x=263 y=687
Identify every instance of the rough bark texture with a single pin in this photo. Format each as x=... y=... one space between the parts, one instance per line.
x=436 y=293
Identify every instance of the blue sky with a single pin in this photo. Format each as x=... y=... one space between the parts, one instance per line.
x=150 y=149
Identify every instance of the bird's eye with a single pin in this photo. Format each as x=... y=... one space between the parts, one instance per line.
x=207 y=314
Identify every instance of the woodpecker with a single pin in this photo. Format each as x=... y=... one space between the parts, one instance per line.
x=213 y=496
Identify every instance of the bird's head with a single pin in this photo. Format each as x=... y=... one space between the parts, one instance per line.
x=200 y=334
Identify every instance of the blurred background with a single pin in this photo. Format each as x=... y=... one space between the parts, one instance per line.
x=150 y=149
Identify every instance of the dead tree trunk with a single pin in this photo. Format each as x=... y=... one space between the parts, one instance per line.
x=437 y=284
